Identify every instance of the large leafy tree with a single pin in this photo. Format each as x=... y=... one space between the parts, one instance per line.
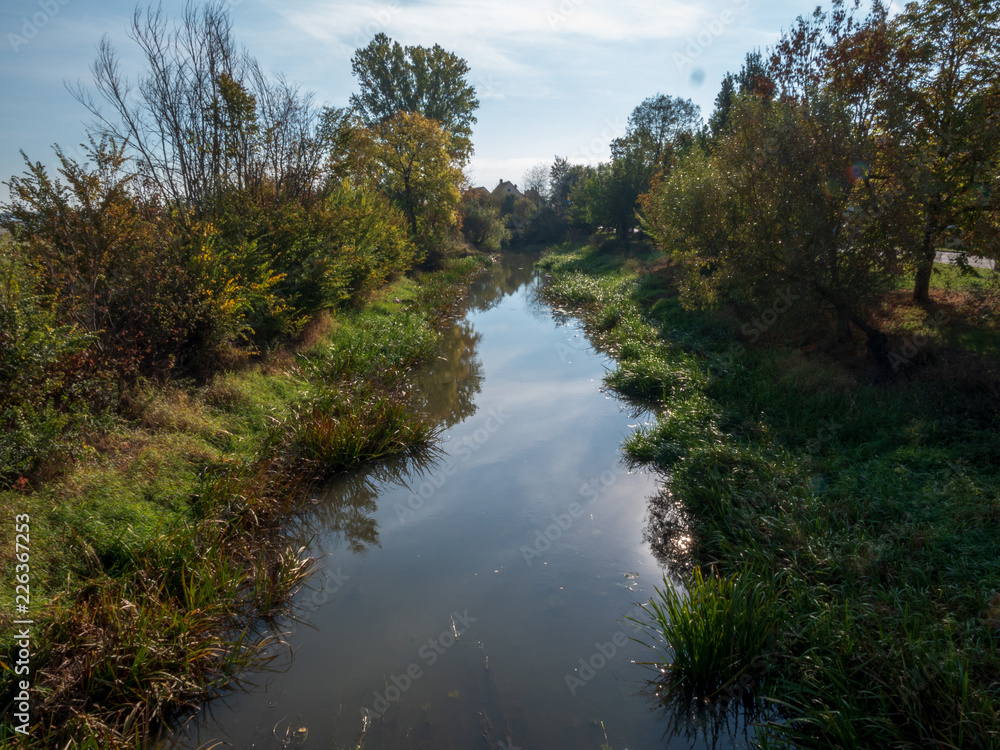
x=774 y=214
x=420 y=175
x=954 y=108
x=430 y=81
x=608 y=195
x=659 y=129
x=659 y=123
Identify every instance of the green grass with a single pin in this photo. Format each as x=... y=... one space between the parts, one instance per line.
x=866 y=515
x=953 y=278
x=715 y=633
x=157 y=552
x=372 y=343
x=974 y=326
x=337 y=430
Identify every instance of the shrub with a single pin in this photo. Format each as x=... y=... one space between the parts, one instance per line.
x=482 y=224
x=157 y=290
x=37 y=417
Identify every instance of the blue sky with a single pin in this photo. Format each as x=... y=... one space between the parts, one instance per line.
x=554 y=77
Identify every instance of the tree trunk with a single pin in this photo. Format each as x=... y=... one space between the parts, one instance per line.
x=928 y=252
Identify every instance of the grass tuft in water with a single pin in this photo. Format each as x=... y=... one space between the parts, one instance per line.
x=715 y=632
x=337 y=430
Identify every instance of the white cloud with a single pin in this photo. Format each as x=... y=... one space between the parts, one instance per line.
x=490 y=34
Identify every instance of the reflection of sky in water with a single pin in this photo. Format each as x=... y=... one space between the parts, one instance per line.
x=455 y=532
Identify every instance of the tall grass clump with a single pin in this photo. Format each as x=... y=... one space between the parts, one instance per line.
x=375 y=344
x=712 y=633
x=653 y=376
x=340 y=429
x=122 y=656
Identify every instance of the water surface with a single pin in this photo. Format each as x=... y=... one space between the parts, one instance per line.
x=476 y=597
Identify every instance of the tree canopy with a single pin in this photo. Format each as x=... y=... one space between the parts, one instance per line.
x=427 y=80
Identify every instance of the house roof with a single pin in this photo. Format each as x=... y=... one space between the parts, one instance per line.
x=507 y=188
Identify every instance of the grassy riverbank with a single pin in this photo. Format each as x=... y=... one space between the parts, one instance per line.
x=157 y=557
x=853 y=520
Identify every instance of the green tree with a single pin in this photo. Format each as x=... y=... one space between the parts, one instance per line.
x=953 y=98
x=429 y=81
x=778 y=212
x=608 y=195
x=658 y=129
x=482 y=224
x=656 y=125
x=422 y=179
x=723 y=104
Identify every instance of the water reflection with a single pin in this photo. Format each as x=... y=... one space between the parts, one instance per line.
x=503 y=277
x=342 y=510
x=722 y=723
x=447 y=385
x=668 y=534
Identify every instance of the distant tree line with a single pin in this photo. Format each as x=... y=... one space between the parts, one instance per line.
x=833 y=165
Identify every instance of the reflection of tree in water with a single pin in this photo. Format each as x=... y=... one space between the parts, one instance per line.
x=344 y=507
x=504 y=277
x=668 y=534
x=447 y=385
x=540 y=308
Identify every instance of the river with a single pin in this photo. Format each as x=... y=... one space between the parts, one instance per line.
x=476 y=597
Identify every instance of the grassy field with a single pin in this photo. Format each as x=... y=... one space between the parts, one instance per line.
x=838 y=534
x=157 y=557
